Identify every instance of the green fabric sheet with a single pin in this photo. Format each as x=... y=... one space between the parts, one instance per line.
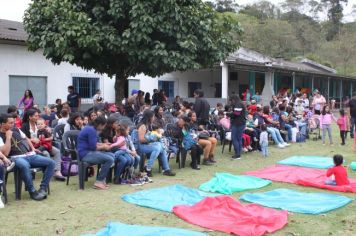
x=226 y=183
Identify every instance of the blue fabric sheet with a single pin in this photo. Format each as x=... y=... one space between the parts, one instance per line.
x=166 y=198
x=307 y=203
x=308 y=161
x=115 y=229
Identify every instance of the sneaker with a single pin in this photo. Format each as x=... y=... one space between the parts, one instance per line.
x=1 y=204
x=134 y=183
x=36 y=196
x=286 y=144
x=169 y=173
x=212 y=159
x=245 y=150
x=236 y=157
x=10 y=167
x=280 y=145
x=207 y=163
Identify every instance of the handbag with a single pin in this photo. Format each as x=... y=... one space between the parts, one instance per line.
x=203 y=135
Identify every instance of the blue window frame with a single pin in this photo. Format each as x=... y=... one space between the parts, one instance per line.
x=167 y=87
x=85 y=87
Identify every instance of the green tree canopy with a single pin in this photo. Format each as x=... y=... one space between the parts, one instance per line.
x=125 y=38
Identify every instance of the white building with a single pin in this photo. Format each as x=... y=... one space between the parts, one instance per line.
x=21 y=69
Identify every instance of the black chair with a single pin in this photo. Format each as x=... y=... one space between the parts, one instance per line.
x=171 y=133
x=69 y=142
x=18 y=182
x=57 y=136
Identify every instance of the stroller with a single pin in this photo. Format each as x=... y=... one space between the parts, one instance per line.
x=314 y=127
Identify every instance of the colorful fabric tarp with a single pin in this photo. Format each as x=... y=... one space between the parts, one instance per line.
x=308 y=161
x=225 y=214
x=294 y=201
x=166 y=198
x=115 y=229
x=227 y=183
x=301 y=176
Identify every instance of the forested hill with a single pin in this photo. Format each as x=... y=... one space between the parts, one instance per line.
x=294 y=35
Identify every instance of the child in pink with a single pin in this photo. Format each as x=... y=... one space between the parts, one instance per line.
x=342 y=122
x=326 y=119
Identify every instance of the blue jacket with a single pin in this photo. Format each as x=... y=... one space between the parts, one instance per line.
x=87 y=140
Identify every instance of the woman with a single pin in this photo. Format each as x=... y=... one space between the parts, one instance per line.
x=29 y=127
x=318 y=103
x=159 y=117
x=238 y=124
x=177 y=103
x=75 y=122
x=155 y=149
x=271 y=128
x=208 y=143
x=92 y=116
x=27 y=100
x=148 y=99
x=189 y=143
x=91 y=151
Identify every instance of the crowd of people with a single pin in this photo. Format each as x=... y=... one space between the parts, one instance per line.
x=157 y=130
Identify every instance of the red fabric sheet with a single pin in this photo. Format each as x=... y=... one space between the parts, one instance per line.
x=301 y=176
x=225 y=214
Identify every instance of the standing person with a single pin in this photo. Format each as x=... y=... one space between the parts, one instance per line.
x=15 y=144
x=352 y=113
x=155 y=97
x=238 y=124
x=274 y=102
x=257 y=97
x=91 y=151
x=342 y=122
x=73 y=99
x=326 y=119
x=318 y=103
x=201 y=107
x=27 y=100
x=264 y=140
x=139 y=101
x=97 y=98
x=305 y=101
x=148 y=99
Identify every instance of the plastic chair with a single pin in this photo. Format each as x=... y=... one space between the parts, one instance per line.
x=58 y=132
x=69 y=142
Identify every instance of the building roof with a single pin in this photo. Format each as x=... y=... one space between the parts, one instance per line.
x=247 y=57
x=12 y=30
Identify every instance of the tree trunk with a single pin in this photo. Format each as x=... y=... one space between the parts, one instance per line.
x=120 y=82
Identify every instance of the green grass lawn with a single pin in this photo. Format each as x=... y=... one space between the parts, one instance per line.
x=69 y=211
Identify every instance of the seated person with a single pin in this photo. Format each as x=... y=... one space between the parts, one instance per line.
x=44 y=137
x=4 y=162
x=15 y=144
x=338 y=173
x=252 y=108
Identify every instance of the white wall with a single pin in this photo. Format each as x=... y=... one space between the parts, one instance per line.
x=207 y=77
x=17 y=60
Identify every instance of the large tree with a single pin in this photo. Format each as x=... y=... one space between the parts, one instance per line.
x=128 y=37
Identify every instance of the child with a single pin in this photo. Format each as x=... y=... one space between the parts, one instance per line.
x=44 y=137
x=342 y=123
x=264 y=140
x=325 y=123
x=121 y=155
x=155 y=135
x=338 y=173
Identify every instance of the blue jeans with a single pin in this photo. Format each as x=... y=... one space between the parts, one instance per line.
x=264 y=149
x=302 y=128
x=236 y=137
x=330 y=182
x=105 y=159
x=124 y=159
x=288 y=127
x=353 y=122
x=35 y=161
x=276 y=135
x=155 y=150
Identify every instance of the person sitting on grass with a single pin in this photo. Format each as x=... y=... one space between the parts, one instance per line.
x=15 y=144
x=338 y=173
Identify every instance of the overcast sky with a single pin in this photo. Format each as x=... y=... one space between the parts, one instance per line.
x=14 y=9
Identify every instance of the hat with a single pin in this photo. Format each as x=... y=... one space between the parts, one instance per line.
x=134 y=91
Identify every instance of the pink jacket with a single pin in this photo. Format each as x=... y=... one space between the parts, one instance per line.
x=326 y=119
x=342 y=123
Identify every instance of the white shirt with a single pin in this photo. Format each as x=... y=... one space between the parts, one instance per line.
x=63 y=121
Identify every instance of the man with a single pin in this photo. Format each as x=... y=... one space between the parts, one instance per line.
x=73 y=100
x=15 y=144
x=352 y=112
x=201 y=107
x=155 y=97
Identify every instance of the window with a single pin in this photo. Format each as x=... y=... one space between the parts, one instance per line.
x=85 y=87
x=192 y=86
x=167 y=87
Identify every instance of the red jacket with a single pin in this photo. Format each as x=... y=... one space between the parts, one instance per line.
x=340 y=174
